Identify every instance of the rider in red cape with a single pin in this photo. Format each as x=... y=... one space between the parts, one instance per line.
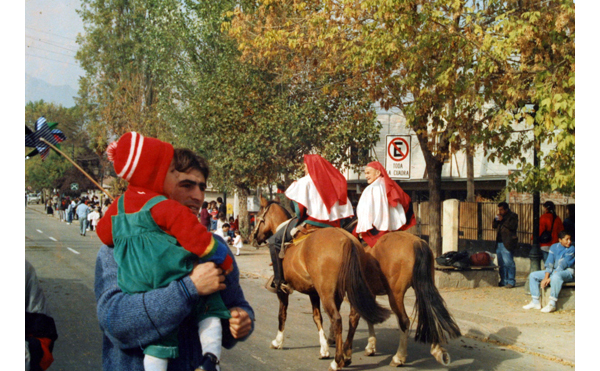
x=330 y=183
x=383 y=206
x=320 y=199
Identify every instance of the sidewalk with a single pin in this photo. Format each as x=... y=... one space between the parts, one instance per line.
x=492 y=314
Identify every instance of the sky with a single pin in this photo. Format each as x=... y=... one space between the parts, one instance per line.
x=51 y=27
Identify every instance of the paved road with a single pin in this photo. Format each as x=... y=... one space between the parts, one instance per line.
x=65 y=264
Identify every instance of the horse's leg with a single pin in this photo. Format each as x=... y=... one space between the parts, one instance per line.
x=440 y=354
x=316 y=305
x=397 y=304
x=283 y=304
x=332 y=310
x=331 y=338
x=352 y=325
x=370 y=349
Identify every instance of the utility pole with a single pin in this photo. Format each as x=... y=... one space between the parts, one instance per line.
x=535 y=255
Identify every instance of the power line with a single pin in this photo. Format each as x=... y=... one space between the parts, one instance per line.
x=50 y=43
x=50 y=33
x=50 y=59
x=50 y=51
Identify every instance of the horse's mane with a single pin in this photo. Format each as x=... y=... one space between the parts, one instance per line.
x=287 y=213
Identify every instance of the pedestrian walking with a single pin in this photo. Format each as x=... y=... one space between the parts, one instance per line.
x=506 y=224
x=93 y=218
x=237 y=241
x=82 y=212
x=70 y=211
x=151 y=216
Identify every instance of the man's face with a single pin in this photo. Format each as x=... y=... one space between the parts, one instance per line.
x=565 y=241
x=185 y=188
x=371 y=174
x=502 y=211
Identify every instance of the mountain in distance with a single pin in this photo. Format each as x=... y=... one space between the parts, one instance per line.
x=38 y=89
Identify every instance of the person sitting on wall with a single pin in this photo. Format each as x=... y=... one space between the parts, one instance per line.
x=560 y=268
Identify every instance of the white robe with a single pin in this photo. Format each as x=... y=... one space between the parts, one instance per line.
x=373 y=210
x=304 y=192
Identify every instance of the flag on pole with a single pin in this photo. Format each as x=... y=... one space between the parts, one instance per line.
x=43 y=129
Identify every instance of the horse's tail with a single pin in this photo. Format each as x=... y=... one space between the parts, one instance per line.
x=434 y=321
x=352 y=281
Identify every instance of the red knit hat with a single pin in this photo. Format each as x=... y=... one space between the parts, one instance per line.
x=143 y=162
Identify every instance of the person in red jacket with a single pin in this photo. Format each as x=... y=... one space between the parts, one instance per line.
x=158 y=240
x=550 y=222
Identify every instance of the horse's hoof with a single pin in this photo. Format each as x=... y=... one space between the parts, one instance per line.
x=324 y=356
x=333 y=366
x=443 y=358
x=369 y=352
x=397 y=361
x=275 y=345
x=347 y=361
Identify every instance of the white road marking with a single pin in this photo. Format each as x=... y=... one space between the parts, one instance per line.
x=39 y=231
x=53 y=239
x=74 y=251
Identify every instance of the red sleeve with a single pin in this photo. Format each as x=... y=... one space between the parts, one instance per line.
x=104 y=227
x=178 y=221
x=544 y=223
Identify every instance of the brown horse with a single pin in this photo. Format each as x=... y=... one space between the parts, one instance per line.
x=398 y=261
x=325 y=266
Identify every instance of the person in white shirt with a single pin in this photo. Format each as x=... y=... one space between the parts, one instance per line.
x=237 y=242
x=223 y=232
x=93 y=218
x=383 y=206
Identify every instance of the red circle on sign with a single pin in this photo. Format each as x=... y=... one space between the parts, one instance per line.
x=393 y=146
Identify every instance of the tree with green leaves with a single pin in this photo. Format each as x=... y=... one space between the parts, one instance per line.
x=252 y=127
x=535 y=41
x=119 y=91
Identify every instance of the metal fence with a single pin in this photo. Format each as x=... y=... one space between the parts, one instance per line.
x=475 y=220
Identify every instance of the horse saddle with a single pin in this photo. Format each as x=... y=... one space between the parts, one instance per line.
x=298 y=234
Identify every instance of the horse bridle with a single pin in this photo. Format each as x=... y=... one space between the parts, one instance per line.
x=259 y=219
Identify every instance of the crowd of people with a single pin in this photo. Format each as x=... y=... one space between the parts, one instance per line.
x=87 y=210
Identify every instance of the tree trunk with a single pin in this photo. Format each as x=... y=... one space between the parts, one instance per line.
x=434 y=174
x=434 y=171
x=470 y=175
x=243 y=213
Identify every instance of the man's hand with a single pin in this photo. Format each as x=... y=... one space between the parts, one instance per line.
x=208 y=278
x=545 y=282
x=240 y=323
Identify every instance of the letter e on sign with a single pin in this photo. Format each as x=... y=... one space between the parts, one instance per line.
x=397 y=159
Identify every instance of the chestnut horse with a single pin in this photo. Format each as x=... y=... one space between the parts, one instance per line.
x=325 y=266
x=398 y=261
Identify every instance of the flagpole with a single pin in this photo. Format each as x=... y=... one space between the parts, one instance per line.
x=78 y=167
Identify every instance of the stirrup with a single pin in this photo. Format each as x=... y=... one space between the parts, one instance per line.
x=269 y=285
x=286 y=288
